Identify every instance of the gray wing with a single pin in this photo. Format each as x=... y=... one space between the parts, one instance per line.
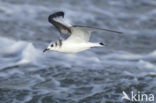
x=75 y=33
x=82 y=33
x=63 y=29
x=95 y=29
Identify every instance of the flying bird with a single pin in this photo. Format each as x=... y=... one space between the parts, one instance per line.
x=78 y=36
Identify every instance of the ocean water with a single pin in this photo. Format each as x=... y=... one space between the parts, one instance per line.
x=98 y=75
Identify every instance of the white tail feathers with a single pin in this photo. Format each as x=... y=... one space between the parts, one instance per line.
x=98 y=45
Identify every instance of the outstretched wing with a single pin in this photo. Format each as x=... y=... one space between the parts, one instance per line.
x=75 y=33
x=82 y=33
x=63 y=29
x=96 y=29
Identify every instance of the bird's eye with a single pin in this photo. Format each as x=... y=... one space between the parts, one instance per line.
x=51 y=45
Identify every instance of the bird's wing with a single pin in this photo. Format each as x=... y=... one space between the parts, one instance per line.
x=95 y=29
x=82 y=33
x=62 y=28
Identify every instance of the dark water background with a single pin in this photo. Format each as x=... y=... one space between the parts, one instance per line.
x=127 y=63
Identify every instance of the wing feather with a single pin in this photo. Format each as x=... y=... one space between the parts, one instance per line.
x=77 y=33
x=82 y=33
x=63 y=29
x=95 y=29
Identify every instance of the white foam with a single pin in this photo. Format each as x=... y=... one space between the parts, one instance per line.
x=17 y=52
x=131 y=59
x=153 y=54
x=145 y=64
x=29 y=54
x=24 y=13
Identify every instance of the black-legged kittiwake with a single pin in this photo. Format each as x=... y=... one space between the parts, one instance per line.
x=78 y=36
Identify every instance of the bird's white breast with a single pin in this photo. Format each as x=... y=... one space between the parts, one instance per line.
x=72 y=47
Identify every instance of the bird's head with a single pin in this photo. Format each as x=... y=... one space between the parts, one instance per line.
x=51 y=46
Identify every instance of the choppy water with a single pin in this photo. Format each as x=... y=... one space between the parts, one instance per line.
x=128 y=63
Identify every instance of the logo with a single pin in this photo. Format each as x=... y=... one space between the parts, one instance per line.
x=137 y=96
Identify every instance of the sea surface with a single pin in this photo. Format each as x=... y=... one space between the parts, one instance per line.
x=98 y=75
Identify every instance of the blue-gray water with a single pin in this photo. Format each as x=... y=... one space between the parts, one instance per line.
x=99 y=75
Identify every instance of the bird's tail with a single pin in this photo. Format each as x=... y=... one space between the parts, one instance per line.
x=98 y=44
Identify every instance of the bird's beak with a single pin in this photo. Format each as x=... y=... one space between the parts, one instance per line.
x=45 y=50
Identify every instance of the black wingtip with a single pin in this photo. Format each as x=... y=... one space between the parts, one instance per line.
x=56 y=14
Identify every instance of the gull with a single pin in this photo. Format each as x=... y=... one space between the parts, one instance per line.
x=78 y=36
